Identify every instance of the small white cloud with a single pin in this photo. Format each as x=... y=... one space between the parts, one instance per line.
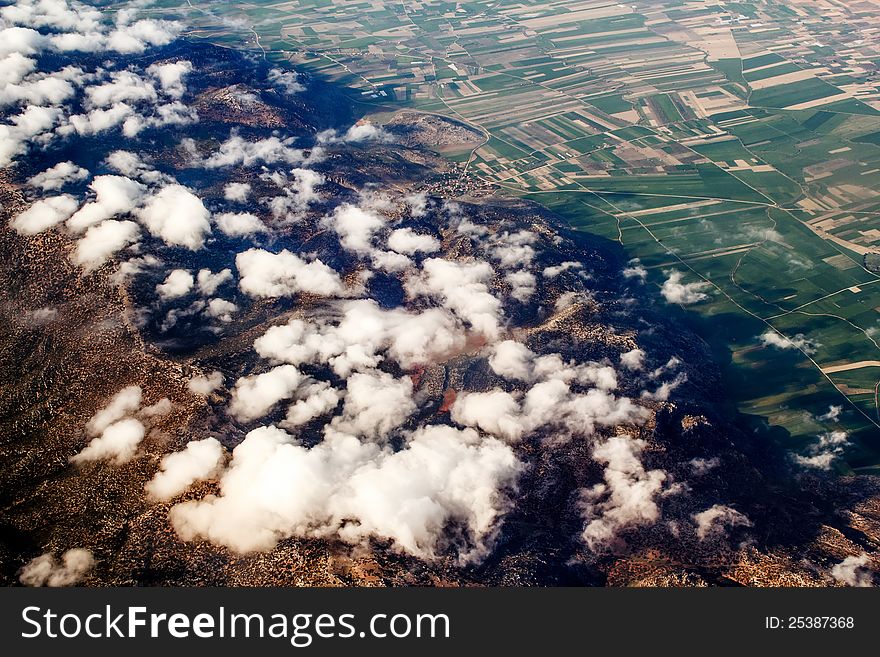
x=240 y=224
x=177 y=284
x=236 y=192
x=46 y=571
x=199 y=461
x=771 y=338
x=56 y=177
x=44 y=214
x=177 y=216
x=854 y=571
x=205 y=385
x=674 y=291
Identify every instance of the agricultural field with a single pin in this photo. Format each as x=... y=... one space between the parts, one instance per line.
x=735 y=143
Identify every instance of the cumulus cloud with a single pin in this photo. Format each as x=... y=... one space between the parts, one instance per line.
x=117 y=443
x=254 y=396
x=854 y=571
x=674 y=291
x=298 y=191
x=635 y=270
x=356 y=134
x=284 y=274
x=171 y=76
x=463 y=288
x=44 y=214
x=125 y=402
x=357 y=335
x=177 y=284
x=236 y=150
x=717 y=519
x=633 y=360
x=512 y=360
x=823 y=453
x=285 y=81
x=236 y=192
x=355 y=227
x=56 y=177
x=275 y=487
x=556 y=270
x=375 y=404
x=627 y=498
x=495 y=412
x=177 y=216
x=409 y=242
x=209 y=282
x=200 y=460
x=205 y=385
x=316 y=399
x=832 y=415
x=240 y=224
x=32 y=122
x=113 y=195
x=46 y=571
x=221 y=309
x=771 y=338
x=103 y=241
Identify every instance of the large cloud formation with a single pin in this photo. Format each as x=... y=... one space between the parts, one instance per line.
x=351 y=432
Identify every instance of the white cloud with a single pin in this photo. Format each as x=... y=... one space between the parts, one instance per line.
x=771 y=338
x=46 y=571
x=114 y=195
x=822 y=454
x=462 y=288
x=854 y=571
x=407 y=241
x=287 y=81
x=205 y=385
x=512 y=360
x=117 y=443
x=44 y=214
x=266 y=274
x=356 y=134
x=200 y=460
x=240 y=224
x=357 y=335
x=316 y=399
x=553 y=272
x=715 y=521
x=633 y=360
x=124 y=86
x=58 y=176
x=627 y=498
x=221 y=309
x=297 y=193
x=177 y=216
x=177 y=284
x=209 y=282
x=236 y=192
x=254 y=396
x=103 y=241
x=495 y=412
x=237 y=150
x=171 y=76
x=635 y=270
x=375 y=404
x=355 y=227
x=275 y=487
x=522 y=285
x=674 y=291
